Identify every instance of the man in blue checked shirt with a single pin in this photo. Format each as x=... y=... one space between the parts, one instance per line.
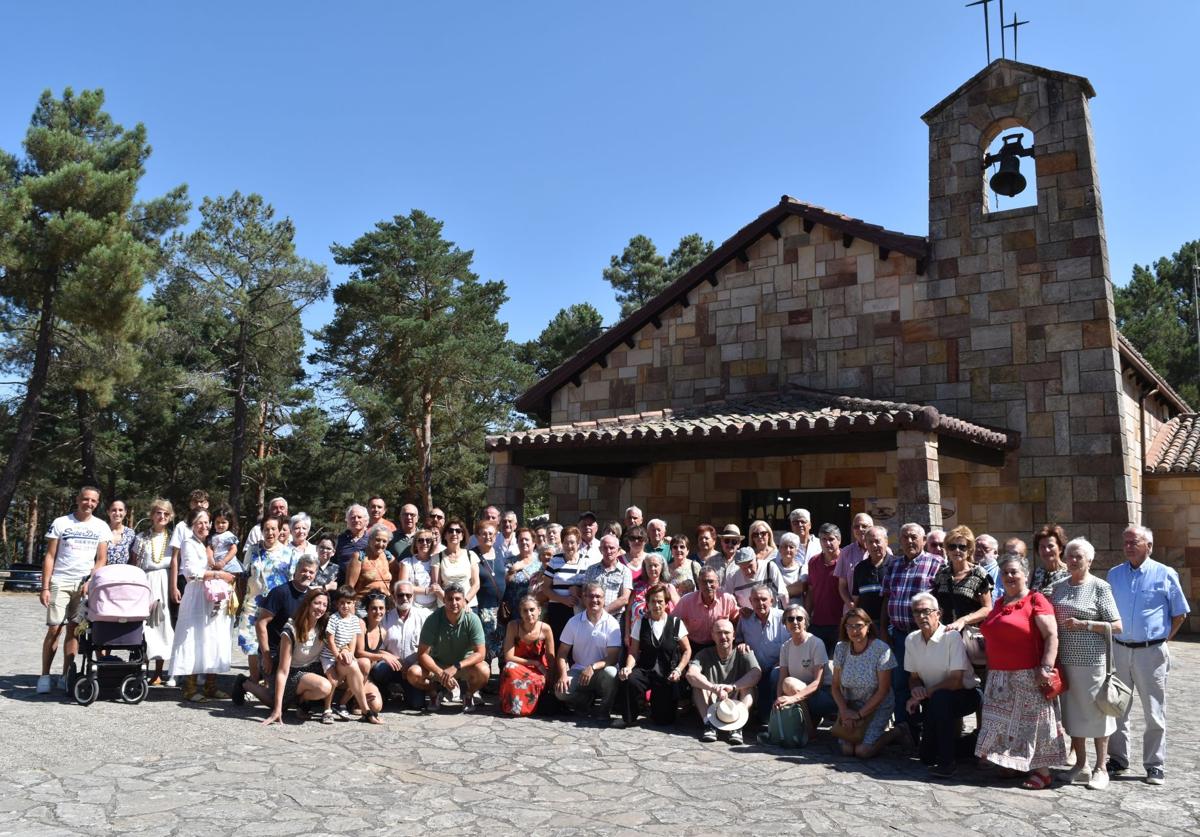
x=1152 y=605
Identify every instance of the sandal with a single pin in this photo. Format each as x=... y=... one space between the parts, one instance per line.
x=327 y=716
x=1037 y=781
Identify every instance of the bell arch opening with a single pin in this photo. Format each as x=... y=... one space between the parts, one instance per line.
x=1009 y=177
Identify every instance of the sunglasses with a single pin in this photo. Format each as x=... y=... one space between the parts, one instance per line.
x=856 y=626
x=438 y=516
x=426 y=541
x=404 y=595
x=454 y=530
x=958 y=547
x=793 y=619
x=924 y=611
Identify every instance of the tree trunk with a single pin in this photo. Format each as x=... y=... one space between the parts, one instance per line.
x=239 y=426
x=262 y=454
x=18 y=454
x=425 y=445
x=31 y=529
x=87 y=438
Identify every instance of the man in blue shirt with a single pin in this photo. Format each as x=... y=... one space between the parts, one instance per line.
x=1152 y=605
x=763 y=633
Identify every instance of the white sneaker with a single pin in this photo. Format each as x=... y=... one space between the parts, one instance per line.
x=44 y=684
x=170 y=682
x=1099 y=780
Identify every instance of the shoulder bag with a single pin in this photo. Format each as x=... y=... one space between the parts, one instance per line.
x=1114 y=696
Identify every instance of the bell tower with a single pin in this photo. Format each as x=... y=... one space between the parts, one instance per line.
x=1019 y=301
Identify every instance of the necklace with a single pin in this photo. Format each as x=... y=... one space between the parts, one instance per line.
x=158 y=548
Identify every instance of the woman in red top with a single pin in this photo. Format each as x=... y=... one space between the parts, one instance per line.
x=1020 y=731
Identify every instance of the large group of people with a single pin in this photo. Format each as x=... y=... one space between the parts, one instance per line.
x=792 y=632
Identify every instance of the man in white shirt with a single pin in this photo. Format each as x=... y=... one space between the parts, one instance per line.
x=589 y=544
x=77 y=543
x=402 y=636
x=592 y=642
x=800 y=522
x=942 y=683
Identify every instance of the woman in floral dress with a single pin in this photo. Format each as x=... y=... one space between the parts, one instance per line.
x=268 y=563
x=528 y=649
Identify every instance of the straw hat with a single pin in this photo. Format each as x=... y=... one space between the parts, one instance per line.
x=728 y=714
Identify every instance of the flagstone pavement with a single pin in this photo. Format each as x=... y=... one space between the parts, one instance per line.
x=168 y=768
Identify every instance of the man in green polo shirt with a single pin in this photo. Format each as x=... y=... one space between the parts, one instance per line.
x=450 y=654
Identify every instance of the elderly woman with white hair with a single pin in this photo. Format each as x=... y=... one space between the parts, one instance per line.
x=301 y=525
x=353 y=541
x=941 y=682
x=1085 y=610
x=793 y=566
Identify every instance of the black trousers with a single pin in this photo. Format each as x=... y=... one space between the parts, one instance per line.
x=941 y=713
x=664 y=696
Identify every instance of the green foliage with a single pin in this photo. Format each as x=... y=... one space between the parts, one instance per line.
x=75 y=253
x=568 y=331
x=640 y=273
x=416 y=350
x=237 y=286
x=1156 y=312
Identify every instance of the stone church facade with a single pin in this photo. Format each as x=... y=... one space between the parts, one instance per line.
x=971 y=375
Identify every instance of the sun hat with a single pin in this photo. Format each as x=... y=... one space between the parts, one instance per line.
x=728 y=714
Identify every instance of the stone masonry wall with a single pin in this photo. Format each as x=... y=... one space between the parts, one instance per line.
x=1171 y=508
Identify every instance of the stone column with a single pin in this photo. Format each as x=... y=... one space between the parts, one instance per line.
x=506 y=482
x=918 y=490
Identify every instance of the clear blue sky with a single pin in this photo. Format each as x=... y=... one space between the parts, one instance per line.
x=545 y=134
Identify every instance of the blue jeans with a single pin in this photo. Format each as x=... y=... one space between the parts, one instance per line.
x=899 y=676
x=764 y=698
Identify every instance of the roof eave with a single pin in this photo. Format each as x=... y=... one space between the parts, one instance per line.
x=1083 y=83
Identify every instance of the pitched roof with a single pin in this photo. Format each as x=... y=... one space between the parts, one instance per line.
x=1032 y=69
x=796 y=412
x=1132 y=358
x=1176 y=447
x=536 y=398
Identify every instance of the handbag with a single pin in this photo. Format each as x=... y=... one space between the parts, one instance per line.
x=854 y=734
x=973 y=641
x=1114 y=697
x=1057 y=684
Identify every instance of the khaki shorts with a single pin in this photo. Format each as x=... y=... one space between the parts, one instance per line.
x=64 y=602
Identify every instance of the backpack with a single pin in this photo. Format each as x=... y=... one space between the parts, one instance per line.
x=788 y=727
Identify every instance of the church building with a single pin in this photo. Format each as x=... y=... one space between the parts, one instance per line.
x=970 y=375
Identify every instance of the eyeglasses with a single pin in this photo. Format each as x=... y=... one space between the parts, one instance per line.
x=426 y=541
x=958 y=547
x=856 y=626
x=454 y=530
x=759 y=534
x=923 y=611
x=793 y=619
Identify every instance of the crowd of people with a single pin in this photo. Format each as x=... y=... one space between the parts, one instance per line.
x=796 y=635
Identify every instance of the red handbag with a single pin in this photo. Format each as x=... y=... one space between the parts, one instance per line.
x=1056 y=686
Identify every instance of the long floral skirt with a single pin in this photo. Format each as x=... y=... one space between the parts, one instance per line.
x=1021 y=729
x=520 y=688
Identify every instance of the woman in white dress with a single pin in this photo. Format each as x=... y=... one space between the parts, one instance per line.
x=151 y=552
x=203 y=639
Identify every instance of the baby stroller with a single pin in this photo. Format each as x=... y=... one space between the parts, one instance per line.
x=118 y=603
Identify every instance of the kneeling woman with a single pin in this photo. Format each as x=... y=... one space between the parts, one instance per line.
x=659 y=652
x=528 y=650
x=299 y=676
x=862 y=685
x=203 y=634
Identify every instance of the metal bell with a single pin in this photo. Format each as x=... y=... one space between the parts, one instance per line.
x=1009 y=181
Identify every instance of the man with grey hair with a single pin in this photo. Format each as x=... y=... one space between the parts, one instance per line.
x=868 y=575
x=1152 y=605
x=909 y=573
x=613 y=576
x=406 y=530
x=587 y=655
x=401 y=639
x=353 y=541
x=656 y=538
x=800 y=522
x=750 y=573
x=633 y=517
x=762 y=632
x=849 y=557
x=941 y=681
x=986 y=551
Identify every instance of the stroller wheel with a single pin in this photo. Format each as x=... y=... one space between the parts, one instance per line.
x=85 y=690
x=134 y=688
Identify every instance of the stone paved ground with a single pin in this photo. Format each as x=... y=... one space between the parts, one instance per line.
x=172 y=769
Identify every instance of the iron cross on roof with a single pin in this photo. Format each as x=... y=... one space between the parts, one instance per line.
x=987 y=28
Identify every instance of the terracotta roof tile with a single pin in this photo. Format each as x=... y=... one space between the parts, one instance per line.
x=797 y=411
x=1176 y=447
